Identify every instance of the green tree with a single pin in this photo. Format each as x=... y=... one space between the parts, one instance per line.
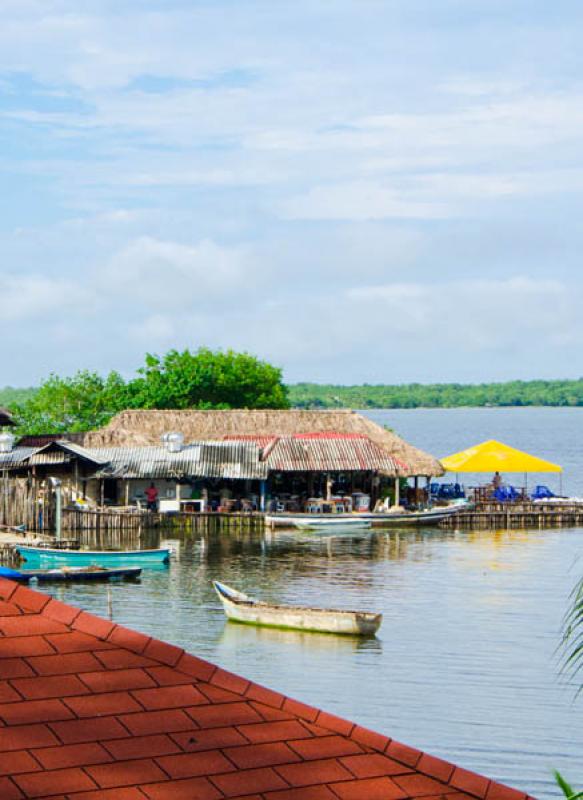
x=207 y=379
x=204 y=379
x=78 y=403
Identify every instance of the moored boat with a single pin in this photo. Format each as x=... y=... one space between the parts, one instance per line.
x=241 y=608
x=428 y=516
x=318 y=521
x=91 y=573
x=382 y=519
x=47 y=557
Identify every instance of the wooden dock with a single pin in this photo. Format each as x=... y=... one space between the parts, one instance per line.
x=118 y=522
x=493 y=516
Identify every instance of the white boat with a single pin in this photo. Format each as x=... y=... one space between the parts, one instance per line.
x=377 y=519
x=241 y=608
x=318 y=521
x=429 y=516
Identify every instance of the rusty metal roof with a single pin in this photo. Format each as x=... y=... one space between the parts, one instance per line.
x=326 y=452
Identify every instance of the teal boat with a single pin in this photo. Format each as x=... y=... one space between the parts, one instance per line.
x=38 y=557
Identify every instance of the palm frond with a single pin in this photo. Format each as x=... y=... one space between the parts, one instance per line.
x=566 y=788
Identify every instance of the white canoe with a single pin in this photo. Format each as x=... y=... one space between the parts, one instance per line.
x=241 y=608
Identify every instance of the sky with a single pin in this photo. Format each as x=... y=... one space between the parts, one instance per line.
x=376 y=191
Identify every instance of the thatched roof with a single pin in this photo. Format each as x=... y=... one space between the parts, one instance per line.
x=6 y=417
x=140 y=428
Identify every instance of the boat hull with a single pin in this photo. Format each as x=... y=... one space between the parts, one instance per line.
x=239 y=608
x=318 y=521
x=364 y=520
x=39 y=557
x=69 y=574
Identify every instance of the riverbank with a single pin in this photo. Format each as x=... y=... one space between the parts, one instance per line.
x=511 y=394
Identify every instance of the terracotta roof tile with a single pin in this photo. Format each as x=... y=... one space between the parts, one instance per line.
x=34 y=711
x=189 y=789
x=15 y=668
x=9 y=791
x=93 y=711
x=18 y=761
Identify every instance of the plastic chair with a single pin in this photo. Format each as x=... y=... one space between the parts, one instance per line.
x=542 y=493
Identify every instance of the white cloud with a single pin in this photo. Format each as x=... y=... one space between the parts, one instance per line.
x=360 y=201
x=30 y=297
x=309 y=181
x=170 y=275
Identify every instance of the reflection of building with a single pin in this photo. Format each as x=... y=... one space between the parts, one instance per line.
x=223 y=459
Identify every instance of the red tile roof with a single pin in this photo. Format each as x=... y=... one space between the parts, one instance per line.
x=90 y=710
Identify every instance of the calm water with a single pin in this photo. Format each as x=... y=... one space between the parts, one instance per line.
x=464 y=665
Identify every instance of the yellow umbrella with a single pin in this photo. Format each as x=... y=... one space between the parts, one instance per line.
x=493 y=456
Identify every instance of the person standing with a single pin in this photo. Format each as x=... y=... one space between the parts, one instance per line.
x=152 y=497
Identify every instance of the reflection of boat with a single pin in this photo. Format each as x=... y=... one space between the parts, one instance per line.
x=43 y=556
x=318 y=521
x=241 y=608
x=236 y=637
x=93 y=573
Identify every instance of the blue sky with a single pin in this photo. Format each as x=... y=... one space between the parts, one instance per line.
x=357 y=190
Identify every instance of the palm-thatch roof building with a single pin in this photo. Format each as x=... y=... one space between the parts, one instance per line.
x=135 y=428
x=281 y=460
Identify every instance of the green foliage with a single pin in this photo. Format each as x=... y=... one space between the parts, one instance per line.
x=79 y=403
x=572 y=644
x=438 y=395
x=573 y=633
x=9 y=396
x=566 y=788
x=205 y=379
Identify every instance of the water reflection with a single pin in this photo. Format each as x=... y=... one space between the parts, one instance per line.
x=236 y=636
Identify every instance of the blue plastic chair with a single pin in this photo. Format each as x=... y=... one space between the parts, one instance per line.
x=542 y=493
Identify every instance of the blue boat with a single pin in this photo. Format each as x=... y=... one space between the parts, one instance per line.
x=70 y=574
x=39 y=557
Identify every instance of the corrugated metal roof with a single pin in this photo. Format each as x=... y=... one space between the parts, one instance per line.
x=15 y=457
x=326 y=452
x=61 y=452
x=229 y=460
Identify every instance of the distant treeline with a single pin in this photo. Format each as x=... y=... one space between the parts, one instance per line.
x=438 y=395
x=190 y=380
x=10 y=396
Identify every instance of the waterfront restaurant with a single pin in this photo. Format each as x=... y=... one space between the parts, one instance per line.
x=225 y=461
x=309 y=454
